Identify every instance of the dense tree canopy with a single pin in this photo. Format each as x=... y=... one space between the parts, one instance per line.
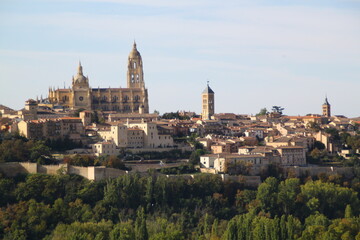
x=156 y=207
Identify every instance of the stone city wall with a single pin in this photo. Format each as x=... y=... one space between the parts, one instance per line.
x=315 y=171
x=208 y=170
x=12 y=169
x=249 y=181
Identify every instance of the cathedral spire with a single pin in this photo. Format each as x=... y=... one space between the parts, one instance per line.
x=80 y=72
x=326 y=100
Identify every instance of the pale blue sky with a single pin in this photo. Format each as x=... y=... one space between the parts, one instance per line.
x=254 y=53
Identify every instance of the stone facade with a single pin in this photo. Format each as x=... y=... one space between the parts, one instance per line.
x=70 y=127
x=105 y=148
x=137 y=135
x=292 y=155
x=133 y=99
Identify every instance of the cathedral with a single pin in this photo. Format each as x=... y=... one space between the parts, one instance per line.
x=133 y=99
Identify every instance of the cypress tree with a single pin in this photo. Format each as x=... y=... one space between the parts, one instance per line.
x=140 y=225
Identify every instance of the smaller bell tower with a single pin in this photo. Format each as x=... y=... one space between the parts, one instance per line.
x=326 y=108
x=208 y=103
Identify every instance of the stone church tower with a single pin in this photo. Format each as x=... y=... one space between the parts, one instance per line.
x=81 y=96
x=326 y=111
x=135 y=74
x=208 y=103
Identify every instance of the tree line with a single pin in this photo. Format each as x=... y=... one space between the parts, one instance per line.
x=156 y=207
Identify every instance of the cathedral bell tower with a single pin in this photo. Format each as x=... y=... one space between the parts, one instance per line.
x=135 y=74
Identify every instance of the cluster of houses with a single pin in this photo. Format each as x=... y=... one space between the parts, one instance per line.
x=229 y=138
x=265 y=139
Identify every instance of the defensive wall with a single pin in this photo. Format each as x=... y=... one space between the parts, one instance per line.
x=347 y=172
x=12 y=169
x=295 y=171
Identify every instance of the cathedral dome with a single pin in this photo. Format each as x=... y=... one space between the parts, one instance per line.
x=134 y=52
x=80 y=78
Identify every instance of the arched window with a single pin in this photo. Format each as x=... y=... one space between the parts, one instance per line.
x=134 y=65
x=132 y=78
x=136 y=98
x=125 y=98
x=115 y=98
x=137 y=78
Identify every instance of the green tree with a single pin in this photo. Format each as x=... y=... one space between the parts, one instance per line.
x=348 y=211
x=7 y=187
x=267 y=195
x=288 y=191
x=263 y=111
x=39 y=152
x=328 y=198
x=16 y=235
x=195 y=156
x=140 y=225
x=87 y=230
x=122 y=231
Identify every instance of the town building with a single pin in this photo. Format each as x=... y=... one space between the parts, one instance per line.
x=292 y=155
x=59 y=128
x=104 y=148
x=222 y=162
x=137 y=135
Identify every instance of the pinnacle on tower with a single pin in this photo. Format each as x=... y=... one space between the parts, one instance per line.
x=80 y=72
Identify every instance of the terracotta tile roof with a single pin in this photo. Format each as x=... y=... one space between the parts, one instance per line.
x=71 y=118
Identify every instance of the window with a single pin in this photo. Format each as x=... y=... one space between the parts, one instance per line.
x=115 y=98
x=136 y=98
x=125 y=98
